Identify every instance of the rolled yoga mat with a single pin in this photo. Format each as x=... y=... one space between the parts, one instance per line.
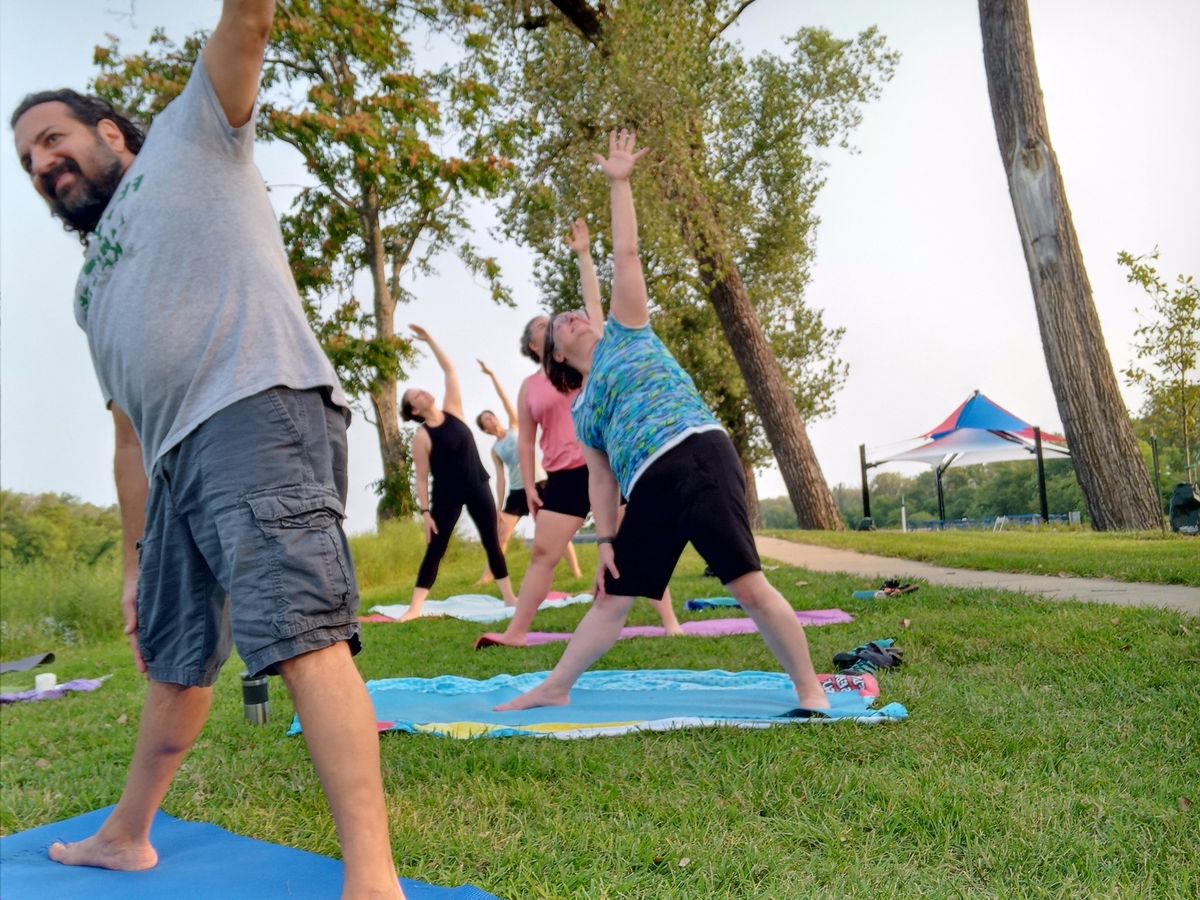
x=196 y=861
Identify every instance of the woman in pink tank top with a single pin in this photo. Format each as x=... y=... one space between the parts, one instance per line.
x=560 y=504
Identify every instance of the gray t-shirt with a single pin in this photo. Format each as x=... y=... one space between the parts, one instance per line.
x=185 y=295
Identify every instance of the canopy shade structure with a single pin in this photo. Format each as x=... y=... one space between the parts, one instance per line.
x=979 y=431
x=975 y=446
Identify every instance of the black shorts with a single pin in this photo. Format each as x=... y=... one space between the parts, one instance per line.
x=516 y=503
x=566 y=492
x=695 y=492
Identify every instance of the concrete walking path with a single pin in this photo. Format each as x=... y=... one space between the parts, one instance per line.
x=876 y=568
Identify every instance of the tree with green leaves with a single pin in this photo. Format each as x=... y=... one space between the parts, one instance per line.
x=1167 y=348
x=1104 y=451
x=726 y=205
x=341 y=86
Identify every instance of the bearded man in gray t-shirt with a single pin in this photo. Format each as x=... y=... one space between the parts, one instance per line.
x=230 y=435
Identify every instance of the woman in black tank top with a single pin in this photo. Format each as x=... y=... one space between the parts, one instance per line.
x=444 y=448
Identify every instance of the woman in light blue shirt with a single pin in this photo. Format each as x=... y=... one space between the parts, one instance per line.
x=515 y=504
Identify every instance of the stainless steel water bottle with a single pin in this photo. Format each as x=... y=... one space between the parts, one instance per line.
x=254 y=698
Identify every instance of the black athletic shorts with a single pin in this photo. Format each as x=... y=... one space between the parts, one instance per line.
x=566 y=492
x=695 y=492
x=516 y=503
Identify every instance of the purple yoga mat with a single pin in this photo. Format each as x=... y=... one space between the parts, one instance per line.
x=704 y=627
x=55 y=693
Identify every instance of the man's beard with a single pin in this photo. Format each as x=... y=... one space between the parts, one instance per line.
x=88 y=197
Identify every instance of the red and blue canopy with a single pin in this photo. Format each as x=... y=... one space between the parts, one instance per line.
x=979 y=431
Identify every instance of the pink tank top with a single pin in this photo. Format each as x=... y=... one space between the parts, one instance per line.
x=552 y=411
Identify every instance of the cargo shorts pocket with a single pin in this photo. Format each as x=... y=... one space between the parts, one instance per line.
x=307 y=557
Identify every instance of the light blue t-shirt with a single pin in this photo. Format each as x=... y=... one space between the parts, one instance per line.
x=638 y=402
x=506 y=449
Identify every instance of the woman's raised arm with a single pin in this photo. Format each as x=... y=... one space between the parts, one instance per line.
x=629 y=303
x=452 y=401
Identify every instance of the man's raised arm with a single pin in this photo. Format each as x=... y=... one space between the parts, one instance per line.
x=233 y=56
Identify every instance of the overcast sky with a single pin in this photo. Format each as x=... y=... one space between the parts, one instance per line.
x=918 y=254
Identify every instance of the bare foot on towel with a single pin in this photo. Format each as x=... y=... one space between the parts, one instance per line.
x=815 y=701
x=495 y=639
x=105 y=854
x=539 y=696
x=676 y=631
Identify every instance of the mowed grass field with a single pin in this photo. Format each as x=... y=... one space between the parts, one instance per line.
x=1146 y=556
x=1052 y=750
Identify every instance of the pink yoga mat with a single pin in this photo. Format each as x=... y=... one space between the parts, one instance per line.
x=704 y=627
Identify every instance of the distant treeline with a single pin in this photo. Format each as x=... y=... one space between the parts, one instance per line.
x=1000 y=489
x=56 y=528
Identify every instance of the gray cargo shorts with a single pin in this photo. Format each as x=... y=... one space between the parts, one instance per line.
x=244 y=541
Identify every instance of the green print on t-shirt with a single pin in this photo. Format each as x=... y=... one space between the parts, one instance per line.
x=105 y=250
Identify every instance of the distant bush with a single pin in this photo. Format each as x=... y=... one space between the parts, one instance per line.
x=56 y=528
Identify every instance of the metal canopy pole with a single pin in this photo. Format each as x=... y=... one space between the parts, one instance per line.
x=862 y=462
x=1037 y=442
x=941 y=496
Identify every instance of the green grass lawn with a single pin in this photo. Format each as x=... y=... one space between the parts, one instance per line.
x=1148 y=556
x=1053 y=750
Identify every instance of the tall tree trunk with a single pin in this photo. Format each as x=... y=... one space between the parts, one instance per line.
x=1104 y=451
x=395 y=495
x=739 y=434
x=753 y=508
x=781 y=420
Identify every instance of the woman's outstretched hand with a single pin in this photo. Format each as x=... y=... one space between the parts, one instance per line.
x=621 y=156
x=420 y=333
x=579 y=241
x=483 y=367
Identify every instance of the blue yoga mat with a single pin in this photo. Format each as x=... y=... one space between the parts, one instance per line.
x=196 y=861
x=606 y=703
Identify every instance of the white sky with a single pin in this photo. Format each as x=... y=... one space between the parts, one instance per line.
x=917 y=255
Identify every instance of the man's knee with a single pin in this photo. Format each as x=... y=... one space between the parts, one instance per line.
x=314 y=661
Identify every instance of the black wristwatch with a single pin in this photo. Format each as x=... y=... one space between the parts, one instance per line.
x=605 y=540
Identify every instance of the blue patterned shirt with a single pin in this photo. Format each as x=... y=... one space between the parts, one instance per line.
x=638 y=402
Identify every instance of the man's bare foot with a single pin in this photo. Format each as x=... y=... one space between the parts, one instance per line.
x=539 y=696
x=495 y=639
x=104 y=854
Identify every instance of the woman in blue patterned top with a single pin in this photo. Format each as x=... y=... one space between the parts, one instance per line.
x=647 y=434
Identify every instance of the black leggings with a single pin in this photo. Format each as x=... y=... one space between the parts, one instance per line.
x=445 y=510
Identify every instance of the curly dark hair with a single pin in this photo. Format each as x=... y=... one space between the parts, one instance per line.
x=87 y=109
x=479 y=418
x=564 y=377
